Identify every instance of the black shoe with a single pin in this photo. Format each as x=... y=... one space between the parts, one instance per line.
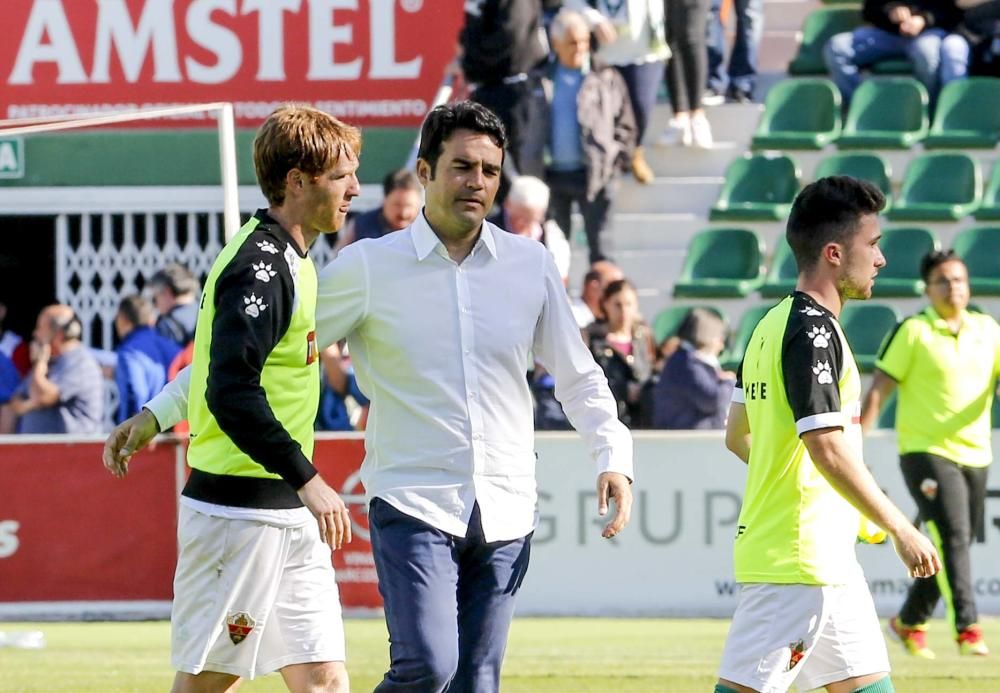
x=737 y=95
x=713 y=97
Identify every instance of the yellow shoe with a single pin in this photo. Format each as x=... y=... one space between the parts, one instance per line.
x=970 y=642
x=913 y=638
x=640 y=169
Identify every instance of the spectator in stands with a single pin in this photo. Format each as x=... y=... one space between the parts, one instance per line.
x=523 y=214
x=12 y=346
x=981 y=28
x=623 y=347
x=64 y=391
x=175 y=293
x=631 y=35
x=922 y=31
x=144 y=356
x=501 y=50
x=687 y=71
x=738 y=81
x=339 y=383
x=693 y=391
x=593 y=132
x=402 y=197
x=944 y=362
x=587 y=308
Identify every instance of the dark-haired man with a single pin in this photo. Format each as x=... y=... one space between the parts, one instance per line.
x=175 y=294
x=402 y=196
x=944 y=361
x=805 y=615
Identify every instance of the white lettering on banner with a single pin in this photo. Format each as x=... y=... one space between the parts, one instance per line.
x=271 y=35
x=214 y=38
x=48 y=38
x=155 y=27
x=8 y=538
x=383 y=44
x=48 y=19
x=324 y=34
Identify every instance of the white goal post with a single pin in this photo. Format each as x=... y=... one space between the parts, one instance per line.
x=227 y=140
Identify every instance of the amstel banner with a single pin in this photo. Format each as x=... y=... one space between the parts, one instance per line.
x=370 y=62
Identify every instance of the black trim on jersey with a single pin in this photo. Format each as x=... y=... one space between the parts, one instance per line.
x=892 y=335
x=241 y=491
x=241 y=344
x=810 y=346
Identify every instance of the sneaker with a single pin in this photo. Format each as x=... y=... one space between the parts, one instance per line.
x=713 y=97
x=701 y=131
x=970 y=642
x=676 y=134
x=640 y=169
x=913 y=638
x=737 y=95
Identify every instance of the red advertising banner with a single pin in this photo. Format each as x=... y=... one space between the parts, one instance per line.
x=69 y=531
x=370 y=62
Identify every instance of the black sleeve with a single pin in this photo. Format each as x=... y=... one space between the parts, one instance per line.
x=876 y=13
x=251 y=316
x=811 y=362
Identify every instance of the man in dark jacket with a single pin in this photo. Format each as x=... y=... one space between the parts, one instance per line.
x=592 y=134
x=922 y=31
x=501 y=47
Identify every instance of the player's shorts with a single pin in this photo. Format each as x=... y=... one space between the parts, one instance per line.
x=251 y=598
x=812 y=635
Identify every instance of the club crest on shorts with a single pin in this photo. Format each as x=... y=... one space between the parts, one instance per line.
x=929 y=487
x=797 y=652
x=240 y=625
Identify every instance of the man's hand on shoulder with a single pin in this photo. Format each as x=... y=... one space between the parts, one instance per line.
x=330 y=512
x=126 y=439
x=614 y=486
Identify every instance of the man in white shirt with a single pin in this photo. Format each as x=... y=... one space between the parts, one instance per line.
x=442 y=320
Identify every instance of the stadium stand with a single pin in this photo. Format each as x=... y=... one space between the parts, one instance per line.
x=979 y=247
x=781 y=277
x=866 y=166
x=903 y=248
x=799 y=114
x=990 y=208
x=865 y=325
x=818 y=27
x=886 y=113
x=669 y=320
x=732 y=356
x=967 y=115
x=722 y=262
x=757 y=187
x=939 y=186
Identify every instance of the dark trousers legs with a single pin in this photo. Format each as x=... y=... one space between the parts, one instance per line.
x=567 y=187
x=951 y=501
x=448 y=602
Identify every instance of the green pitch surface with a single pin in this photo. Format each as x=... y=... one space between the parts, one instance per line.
x=545 y=655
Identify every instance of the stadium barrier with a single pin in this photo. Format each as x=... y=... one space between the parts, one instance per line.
x=76 y=543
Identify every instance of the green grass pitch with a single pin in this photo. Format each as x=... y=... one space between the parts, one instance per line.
x=544 y=655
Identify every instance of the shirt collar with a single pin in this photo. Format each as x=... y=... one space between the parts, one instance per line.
x=940 y=323
x=425 y=240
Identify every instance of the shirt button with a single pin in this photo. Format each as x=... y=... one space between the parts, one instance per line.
x=477 y=436
x=473 y=395
x=465 y=309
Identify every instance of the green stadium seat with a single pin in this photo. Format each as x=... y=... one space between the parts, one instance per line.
x=887 y=415
x=784 y=273
x=939 y=186
x=731 y=357
x=904 y=248
x=669 y=320
x=996 y=411
x=886 y=113
x=979 y=247
x=967 y=114
x=990 y=209
x=892 y=66
x=865 y=325
x=757 y=188
x=722 y=263
x=866 y=166
x=799 y=114
x=817 y=29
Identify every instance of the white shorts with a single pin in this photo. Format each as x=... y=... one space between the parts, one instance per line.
x=251 y=598
x=810 y=635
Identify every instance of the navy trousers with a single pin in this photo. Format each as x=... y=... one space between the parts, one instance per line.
x=448 y=602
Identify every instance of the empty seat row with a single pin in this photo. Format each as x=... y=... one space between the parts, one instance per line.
x=730 y=263
x=937 y=186
x=865 y=325
x=885 y=113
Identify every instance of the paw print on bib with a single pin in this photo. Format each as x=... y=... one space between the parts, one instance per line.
x=824 y=375
x=263 y=272
x=267 y=247
x=254 y=306
x=820 y=336
x=811 y=312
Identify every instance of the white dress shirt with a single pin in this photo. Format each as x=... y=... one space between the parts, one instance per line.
x=441 y=349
